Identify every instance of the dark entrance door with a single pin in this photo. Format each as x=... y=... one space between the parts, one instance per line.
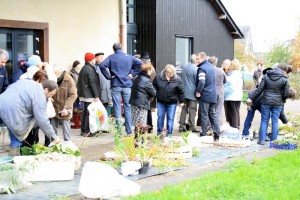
x=131 y=44
x=20 y=44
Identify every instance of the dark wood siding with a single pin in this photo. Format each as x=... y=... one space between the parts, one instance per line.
x=196 y=18
x=146 y=23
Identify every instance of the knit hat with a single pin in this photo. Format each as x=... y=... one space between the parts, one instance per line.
x=89 y=56
x=33 y=60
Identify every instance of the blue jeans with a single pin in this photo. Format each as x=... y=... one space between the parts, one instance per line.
x=162 y=110
x=248 y=121
x=208 y=113
x=117 y=93
x=14 y=142
x=268 y=111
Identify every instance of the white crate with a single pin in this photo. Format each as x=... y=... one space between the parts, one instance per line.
x=174 y=140
x=244 y=142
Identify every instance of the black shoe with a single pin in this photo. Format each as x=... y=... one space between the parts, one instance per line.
x=195 y=130
x=216 y=137
x=261 y=143
x=201 y=134
x=182 y=129
x=89 y=134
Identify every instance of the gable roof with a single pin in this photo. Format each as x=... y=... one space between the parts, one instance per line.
x=224 y=15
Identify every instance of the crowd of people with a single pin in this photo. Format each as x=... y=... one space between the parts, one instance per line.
x=130 y=84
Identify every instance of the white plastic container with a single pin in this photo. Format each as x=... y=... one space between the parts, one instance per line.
x=49 y=170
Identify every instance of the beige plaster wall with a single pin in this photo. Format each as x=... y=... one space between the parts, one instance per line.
x=75 y=26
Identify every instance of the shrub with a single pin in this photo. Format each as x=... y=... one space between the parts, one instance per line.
x=294 y=80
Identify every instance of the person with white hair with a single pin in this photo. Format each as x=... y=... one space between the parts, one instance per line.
x=3 y=72
x=63 y=102
x=189 y=77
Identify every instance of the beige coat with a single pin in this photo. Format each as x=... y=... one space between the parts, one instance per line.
x=65 y=96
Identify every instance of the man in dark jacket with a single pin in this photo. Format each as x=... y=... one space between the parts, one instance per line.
x=206 y=90
x=275 y=88
x=88 y=90
x=189 y=76
x=121 y=68
x=3 y=73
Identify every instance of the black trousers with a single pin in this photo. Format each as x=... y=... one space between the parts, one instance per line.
x=32 y=138
x=85 y=123
x=149 y=120
x=232 y=113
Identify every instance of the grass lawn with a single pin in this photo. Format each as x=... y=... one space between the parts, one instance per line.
x=277 y=177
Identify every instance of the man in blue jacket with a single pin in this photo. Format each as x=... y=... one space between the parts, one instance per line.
x=3 y=73
x=206 y=91
x=121 y=68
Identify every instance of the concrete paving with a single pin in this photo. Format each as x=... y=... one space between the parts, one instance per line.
x=93 y=148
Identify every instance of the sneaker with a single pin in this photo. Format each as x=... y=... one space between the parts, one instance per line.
x=182 y=129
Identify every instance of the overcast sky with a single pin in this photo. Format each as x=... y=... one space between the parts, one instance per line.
x=270 y=21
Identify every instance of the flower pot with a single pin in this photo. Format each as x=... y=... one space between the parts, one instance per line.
x=144 y=169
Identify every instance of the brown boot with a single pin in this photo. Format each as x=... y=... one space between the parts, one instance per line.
x=14 y=151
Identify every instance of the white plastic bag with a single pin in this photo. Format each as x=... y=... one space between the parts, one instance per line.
x=99 y=180
x=98 y=119
x=50 y=109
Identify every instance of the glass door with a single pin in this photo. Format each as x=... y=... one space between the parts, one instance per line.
x=6 y=43
x=20 y=44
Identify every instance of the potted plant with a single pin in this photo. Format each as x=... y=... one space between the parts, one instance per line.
x=146 y=151
x=287 y=142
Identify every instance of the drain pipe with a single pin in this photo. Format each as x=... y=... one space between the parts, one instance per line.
x=123 y=27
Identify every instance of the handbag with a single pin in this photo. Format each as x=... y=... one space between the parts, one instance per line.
x=50 y=109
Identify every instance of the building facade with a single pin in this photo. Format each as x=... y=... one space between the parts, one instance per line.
x=61 y=31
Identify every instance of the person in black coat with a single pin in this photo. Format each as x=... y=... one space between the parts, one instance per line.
x=141 y=92
x=169 y=91
x=256 y=105
x=275 y=88
x=88 y=90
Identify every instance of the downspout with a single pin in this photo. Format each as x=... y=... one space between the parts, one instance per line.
x=123 y=25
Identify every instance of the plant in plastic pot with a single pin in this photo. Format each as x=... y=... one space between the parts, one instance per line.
x=145 y=167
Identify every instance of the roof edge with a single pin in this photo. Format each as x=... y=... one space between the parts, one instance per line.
x=224 y=15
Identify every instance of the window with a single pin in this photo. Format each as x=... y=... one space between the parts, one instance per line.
x=131 y=11
x=184 y=46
